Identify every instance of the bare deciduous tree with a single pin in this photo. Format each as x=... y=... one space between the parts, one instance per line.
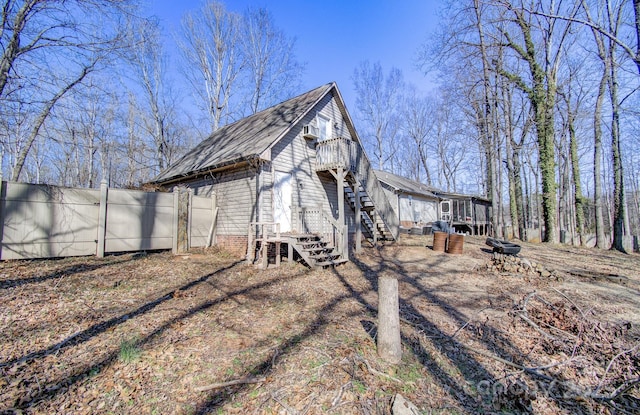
x=49 y=47
x=272 y=71
x=379 y=98
x=211 y=47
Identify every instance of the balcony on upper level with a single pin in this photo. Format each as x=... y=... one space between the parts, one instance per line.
x=338 y=152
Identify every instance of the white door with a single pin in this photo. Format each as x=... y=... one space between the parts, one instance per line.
x=282 y=197
x=445 y=210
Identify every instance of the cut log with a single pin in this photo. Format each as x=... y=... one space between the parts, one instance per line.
x=389 y=344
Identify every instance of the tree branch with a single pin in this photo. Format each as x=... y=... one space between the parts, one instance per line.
x=635 y=56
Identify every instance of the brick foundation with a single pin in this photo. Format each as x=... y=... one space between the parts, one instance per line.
x=235 y=244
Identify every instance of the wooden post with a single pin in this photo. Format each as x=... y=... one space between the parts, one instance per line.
x=214 y=218
x=389 y=344
x=183 y=221
x=180 y=220
x=341 y=217
x=358 y=220
x=264 y=247
x=251 y=248
x=176 y=205
x=102 y=219
x=277 y=245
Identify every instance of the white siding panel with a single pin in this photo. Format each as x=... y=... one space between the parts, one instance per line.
x=417 y=210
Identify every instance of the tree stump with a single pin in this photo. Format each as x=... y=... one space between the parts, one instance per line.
x=389 y=344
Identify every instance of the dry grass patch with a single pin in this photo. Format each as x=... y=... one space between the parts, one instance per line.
x=205 y=333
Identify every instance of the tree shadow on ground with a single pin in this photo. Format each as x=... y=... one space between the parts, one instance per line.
x=59 y=274
x=476 y=375
x=56 y=386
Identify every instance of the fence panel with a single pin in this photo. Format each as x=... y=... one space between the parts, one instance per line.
x=40 y=221
x=138 y=221
x=200 y=221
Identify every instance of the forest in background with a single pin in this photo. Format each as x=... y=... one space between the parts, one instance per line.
x=536 y=106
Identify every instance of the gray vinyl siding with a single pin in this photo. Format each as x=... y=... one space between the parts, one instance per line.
x=393 y=199
x=265 y=184
x=297 y=155
x=418 y=210
x=236 y=196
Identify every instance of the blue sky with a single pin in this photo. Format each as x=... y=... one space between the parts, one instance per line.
x=333 y=36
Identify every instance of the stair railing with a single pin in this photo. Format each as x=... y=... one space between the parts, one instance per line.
x=318 y=220
x=346 y=153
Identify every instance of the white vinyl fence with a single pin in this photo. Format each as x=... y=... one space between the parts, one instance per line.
x=41 y=221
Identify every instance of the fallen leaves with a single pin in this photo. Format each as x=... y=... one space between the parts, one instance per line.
x=306 y=337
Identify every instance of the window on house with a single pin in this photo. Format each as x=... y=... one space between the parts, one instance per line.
x=324 y=128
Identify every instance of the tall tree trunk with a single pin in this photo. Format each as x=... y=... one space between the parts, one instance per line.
x=602 y=241
x=513 y=210
x=618 y=176
x=542 y=96
x=636 y=8
x=486 y=130
x=575 y=172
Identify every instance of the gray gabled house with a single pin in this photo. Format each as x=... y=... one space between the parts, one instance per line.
x=418 y=206
x=415 y=204
x=295 y=173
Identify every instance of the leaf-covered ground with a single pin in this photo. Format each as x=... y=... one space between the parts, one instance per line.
x=206 y=333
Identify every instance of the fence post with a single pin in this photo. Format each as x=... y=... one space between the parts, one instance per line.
x=102 y=219
x=214 y=217
x=176 y=204
x=2 y=205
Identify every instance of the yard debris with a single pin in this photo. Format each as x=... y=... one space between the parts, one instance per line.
x=235 y=382
x=514 y=265
x=307 y=337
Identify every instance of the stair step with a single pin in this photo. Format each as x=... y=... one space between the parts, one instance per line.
x=317 y=249
x=306 y=237
x=324 y=256
x=332 y=262
x=319 y=245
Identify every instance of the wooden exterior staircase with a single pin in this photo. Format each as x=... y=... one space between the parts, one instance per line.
x=360 y=184
x=315 y=250
x=318 y=238
x=318 y=241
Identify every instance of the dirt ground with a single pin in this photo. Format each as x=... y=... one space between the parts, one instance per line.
x=554 y=331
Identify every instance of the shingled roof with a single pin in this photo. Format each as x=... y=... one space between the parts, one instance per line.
x=244 y=139
x=403 y=185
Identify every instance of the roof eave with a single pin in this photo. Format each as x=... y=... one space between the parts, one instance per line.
x=226 y=165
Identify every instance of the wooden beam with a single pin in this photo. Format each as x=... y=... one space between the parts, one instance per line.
x=341 y=217
x=358 y=219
